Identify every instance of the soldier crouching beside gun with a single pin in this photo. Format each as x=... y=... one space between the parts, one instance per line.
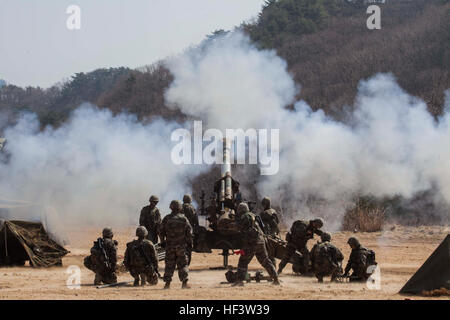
x=359 y=261
x=326 y=259
x=301 y=231
x=176 y=237
x=254 y=245
x=103 y=258
x=140 y=259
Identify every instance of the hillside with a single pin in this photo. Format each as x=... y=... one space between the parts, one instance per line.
x=325 y=42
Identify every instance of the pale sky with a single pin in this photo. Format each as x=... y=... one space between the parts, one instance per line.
x=37 y=48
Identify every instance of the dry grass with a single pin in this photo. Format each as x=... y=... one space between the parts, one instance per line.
x=364 y=219
x=437 y=293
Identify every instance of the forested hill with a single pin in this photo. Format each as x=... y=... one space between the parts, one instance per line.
x=325 y=42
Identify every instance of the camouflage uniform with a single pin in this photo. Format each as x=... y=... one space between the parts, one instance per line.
x=254 y=245
x=140 y=259
x=301 y=231
x=191 y=215
x=150 y=218
x=176 y=234
x=326 y=259
x=357 y=261
x=270 y=218
x=97 y=262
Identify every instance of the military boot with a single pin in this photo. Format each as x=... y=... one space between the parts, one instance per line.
x=97 y=280
x=136 y=282
x=276 y=281
x=143 y=280
x=185 y=285
x=238 y=283
x=167 y=285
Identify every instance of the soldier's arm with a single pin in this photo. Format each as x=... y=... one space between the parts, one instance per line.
x=112 y=254
x=349 y=263
x=162 y=231
x=126 y=258
x=318 y=232
x=142 y=217
x=152 y=254
x=188 y=234
x=158 y=223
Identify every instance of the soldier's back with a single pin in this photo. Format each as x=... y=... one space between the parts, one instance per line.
x=175 y=227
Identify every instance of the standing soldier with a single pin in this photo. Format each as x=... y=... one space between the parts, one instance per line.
x=151 y=219
x=270 y=218
x=140 y=259
x=103 y=258
x=326 y=259
x=191 y=215
x=297 y=238
x=359 y=261
x=176 y=236
x=254 y=244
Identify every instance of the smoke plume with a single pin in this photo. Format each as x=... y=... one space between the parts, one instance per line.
x=96 y=169
x=388 y=146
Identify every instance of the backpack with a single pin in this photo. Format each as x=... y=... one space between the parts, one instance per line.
x=136 y=258
x=370 y=257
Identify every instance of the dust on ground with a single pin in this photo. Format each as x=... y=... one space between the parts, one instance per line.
x=400 y=252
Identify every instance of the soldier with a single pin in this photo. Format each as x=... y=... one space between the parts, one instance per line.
x=140 y=259
x=326 y=259
x=150 y=218
x=270 y=218
x=176 y=236
x=301 y=231
x=254 y=244
x=191 y=215
x=360 y=259
x=103 y=258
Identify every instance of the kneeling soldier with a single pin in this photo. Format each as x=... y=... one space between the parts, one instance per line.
x=103 y=258
x=140 y=259
x=326 y=259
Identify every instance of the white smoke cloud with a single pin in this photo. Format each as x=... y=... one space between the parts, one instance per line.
x=95 y=169
x=390 y=145
x=227 y=76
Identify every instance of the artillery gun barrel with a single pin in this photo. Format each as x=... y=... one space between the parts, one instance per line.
x=226 y=190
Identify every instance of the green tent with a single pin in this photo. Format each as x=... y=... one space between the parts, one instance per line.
x=434 y=273
x=23 y=240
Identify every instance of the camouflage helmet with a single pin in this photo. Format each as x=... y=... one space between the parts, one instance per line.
x=187 y=198
x=141 y=231
x=318 y=221
x=154 y=199
x=175 y=205
x=242 y=208
x=325 y=237
x=265 y=202
x=107 y=233
x=353 y=242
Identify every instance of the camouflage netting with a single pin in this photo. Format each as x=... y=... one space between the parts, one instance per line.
x=22 y=240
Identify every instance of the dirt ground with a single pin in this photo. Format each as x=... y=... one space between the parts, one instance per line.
x=400 y=252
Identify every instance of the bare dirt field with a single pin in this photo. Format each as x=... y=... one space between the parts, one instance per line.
x=400 y=252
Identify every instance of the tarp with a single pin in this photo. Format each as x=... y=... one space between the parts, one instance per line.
x=434 y=273
x=24 y=240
